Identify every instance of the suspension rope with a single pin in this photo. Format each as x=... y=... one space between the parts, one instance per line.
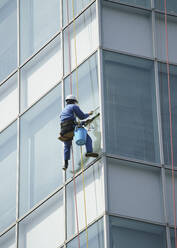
x=69 y=48
x=74 y=179
x=171 y=131
x=77 y=82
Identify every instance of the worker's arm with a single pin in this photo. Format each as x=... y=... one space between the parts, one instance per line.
x=79 y=113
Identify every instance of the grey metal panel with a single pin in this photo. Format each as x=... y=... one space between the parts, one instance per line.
x=127 y=31
x=135 y=190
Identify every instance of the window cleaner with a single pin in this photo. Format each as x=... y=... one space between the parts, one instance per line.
x=68 y=124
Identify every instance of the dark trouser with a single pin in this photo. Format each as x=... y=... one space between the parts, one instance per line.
x=68 y=144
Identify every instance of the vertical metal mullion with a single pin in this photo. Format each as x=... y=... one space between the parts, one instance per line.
x=159 y=121
x=168 y=237
x=100 y=76
x=18 y=123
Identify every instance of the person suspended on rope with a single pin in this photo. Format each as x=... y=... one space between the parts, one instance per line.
x=68 y=123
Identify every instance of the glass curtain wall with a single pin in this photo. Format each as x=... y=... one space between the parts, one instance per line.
x=8 y=40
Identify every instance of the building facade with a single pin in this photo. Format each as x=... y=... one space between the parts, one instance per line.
x=114 y=56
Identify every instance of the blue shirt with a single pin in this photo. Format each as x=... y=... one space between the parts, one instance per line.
x=71 y=111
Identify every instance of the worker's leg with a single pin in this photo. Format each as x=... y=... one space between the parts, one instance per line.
x=67 y=148
x=89 y=148
x=88 y=144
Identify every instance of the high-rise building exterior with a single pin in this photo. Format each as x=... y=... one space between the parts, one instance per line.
x=119 y=58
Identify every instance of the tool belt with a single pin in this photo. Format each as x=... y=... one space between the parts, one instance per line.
x=67 y=130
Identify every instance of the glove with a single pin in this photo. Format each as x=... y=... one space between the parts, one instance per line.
x=90 y=113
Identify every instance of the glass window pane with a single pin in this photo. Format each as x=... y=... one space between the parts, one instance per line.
x=41 y=73
x=8 y=239
x=165 y=115
x=85 y=33
x=45 y=226
x=172 y=235
x=88 y=96
x=130 y=107
x=94 y=198
x=39 y=21
x=8 y=40
x=8 y=167
x=142 y=187
x=70 y=6
x=161 y=37
x=41 y=152
x=129 y=233
x=95 y=237
x=171 y=5
x=169 y=195
x=127 y=29
x=142 y=3
x=8 y=101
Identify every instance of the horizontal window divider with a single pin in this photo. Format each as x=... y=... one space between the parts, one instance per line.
x=40 y=203
x=84 y=228
x=41 y=97
x=8 y=77
x=108 y=2
x=137 y=161
x=163 y=13
x=86 y=168
x=42 y=48
x=7 y=229
x=127 y=53
x=14 y=120
x=137 y=219
x=82 y=62
x=78 y=15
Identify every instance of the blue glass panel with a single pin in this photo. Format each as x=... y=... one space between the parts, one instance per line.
x=171 y=5
x=8 y=34
x=39 y=21
x=8 y=172
x=95 y=237
x=130 y=107
x=8 y=239
x=41 y=152
x=88 y=96
x=129 y=233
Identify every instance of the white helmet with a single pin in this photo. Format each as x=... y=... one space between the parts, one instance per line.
x=71 y=97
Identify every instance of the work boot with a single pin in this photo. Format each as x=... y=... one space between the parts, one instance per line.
x=65 y=166
x=91 y=154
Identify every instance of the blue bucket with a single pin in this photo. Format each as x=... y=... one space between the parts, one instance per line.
x=80 y=136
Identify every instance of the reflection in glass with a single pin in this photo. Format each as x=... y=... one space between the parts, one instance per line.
x=45 y=226
x=39 y=21
x=130 y=233
x=130 y=107
x=88 y=96
x=165 y=115
x=8 y=167
x=8 y=239
x=41 y=73
x=85 y=33
x=172 y=235
x=69 y=6
x=95 y=237
x=41 y=152
x=171 y=5
x=8 y=101
x=94 y=198
x=8 y=40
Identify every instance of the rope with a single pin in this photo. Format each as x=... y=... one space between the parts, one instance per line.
x=77 y=81
x=74 y=180
x=69 y=48
x=171 y=131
